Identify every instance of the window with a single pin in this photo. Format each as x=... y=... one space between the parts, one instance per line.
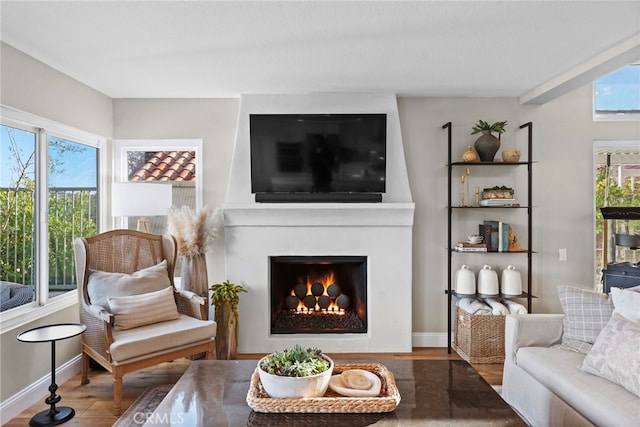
x=46 y=167
x=617 y=95
x=616 y=183
x=170 y=161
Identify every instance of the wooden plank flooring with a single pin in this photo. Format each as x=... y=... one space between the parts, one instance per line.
x=93 y=402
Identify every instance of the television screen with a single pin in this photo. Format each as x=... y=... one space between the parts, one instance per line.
x=318 y=153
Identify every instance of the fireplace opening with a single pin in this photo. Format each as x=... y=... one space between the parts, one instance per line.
x=318 y=294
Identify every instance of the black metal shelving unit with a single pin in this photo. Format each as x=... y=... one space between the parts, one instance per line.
x=451 y=165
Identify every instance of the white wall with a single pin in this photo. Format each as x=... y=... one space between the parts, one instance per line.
x=212 y=120
x=562 y=179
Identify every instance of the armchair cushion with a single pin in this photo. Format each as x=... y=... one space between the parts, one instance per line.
x=144 y=341
x=144 y=309
x=102 y=284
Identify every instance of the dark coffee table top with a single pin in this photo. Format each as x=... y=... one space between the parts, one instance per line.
x=433 y=392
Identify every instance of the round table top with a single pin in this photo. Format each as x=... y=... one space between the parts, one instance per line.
x=55 y=332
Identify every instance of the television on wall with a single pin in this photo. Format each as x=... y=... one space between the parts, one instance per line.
x=318 y=157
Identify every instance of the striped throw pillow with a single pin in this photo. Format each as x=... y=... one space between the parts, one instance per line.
x=143 y=309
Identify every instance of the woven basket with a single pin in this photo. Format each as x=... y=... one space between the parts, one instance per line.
x=479 y=338
x=331 y=402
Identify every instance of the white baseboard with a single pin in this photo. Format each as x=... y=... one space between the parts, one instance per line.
x=429 y=339
x=37 y=391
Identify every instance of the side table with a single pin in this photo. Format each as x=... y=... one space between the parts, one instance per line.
x=53 y=416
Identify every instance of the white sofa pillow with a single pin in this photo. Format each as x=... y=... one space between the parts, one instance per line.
x=627 y=303
x=615 y=355
x=102 y=284
x=144 y=309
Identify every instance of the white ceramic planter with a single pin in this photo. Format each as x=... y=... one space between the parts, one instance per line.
x=277 y=386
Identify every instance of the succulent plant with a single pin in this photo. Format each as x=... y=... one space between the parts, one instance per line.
x=295 y=362
x=497 y=127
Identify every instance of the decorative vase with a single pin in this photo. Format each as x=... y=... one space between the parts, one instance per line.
x=194 y=277
x=226 y=332
x=487 y=146
x=469 y=155
x=278 y=386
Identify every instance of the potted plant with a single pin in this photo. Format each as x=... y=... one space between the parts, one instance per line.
x=487 y=144
x=225 y=299
x=295 y=372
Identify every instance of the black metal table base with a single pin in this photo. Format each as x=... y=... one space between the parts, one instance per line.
x=47 y=418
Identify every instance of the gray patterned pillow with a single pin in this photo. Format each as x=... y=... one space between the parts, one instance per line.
x=615 y=356
x=585 y=314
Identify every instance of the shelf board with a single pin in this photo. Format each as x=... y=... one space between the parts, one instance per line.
x=468 y=164
x=489 y=207
x=524 y=251
x=522 y=295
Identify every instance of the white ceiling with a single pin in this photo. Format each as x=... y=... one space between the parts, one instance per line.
x=206 y=49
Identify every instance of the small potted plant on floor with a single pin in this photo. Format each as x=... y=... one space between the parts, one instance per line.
x=225 y=298
x=295 y=372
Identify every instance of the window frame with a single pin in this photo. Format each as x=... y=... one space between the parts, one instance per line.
x=122 y=146
x=44 y=128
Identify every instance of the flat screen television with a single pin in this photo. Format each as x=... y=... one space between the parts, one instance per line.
x=315 y=157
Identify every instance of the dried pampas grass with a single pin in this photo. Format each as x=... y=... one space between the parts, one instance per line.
x=194 y=233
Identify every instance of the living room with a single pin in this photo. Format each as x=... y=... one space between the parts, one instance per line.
x=557 y=98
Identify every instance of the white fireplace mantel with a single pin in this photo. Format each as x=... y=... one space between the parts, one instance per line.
x=381 y=232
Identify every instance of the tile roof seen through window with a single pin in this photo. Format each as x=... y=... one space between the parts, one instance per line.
x=168 y=166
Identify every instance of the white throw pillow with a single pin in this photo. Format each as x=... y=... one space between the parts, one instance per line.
x=627 y=303
x=615 y=355
x=144 y=309
x=102 y=284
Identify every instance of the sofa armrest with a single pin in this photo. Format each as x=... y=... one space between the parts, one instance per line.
x=531 y=330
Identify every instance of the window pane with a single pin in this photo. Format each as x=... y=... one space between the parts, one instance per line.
x=618 y=93
x=73 y=207
x=17 y=214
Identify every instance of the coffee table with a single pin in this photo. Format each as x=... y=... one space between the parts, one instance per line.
x=433 y=392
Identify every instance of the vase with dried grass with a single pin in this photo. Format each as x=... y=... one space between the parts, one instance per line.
x=195 y=234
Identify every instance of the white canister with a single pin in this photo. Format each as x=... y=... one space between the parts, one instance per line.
x=511 y=281
x=465 y=281
x=488 y=281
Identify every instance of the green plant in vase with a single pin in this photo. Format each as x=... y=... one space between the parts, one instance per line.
x=225 y=298
x=487 y=144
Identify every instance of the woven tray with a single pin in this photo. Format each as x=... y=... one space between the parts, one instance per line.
x=331 y=402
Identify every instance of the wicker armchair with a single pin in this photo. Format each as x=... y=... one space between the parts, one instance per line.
x=124 y=351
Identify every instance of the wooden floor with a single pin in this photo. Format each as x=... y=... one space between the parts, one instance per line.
x=93 y=402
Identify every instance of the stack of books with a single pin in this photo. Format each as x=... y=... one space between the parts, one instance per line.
x=496 y=235
x=499 y=202
x=470 y=247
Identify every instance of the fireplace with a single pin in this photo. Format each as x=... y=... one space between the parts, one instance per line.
x=318 y=295
x=371 y=241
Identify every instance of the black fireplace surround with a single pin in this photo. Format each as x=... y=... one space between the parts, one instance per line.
x=318 y=294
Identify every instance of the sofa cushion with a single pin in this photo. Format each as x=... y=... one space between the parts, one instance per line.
x=138 y=310
x=102 y=284
x=615 y=355
x=586 y=312
x=145 y=340
x=601 y=401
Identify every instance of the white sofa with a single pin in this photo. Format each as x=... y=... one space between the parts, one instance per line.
x=544 y=384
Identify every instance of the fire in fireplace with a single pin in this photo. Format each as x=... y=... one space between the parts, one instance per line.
x=318 y=294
